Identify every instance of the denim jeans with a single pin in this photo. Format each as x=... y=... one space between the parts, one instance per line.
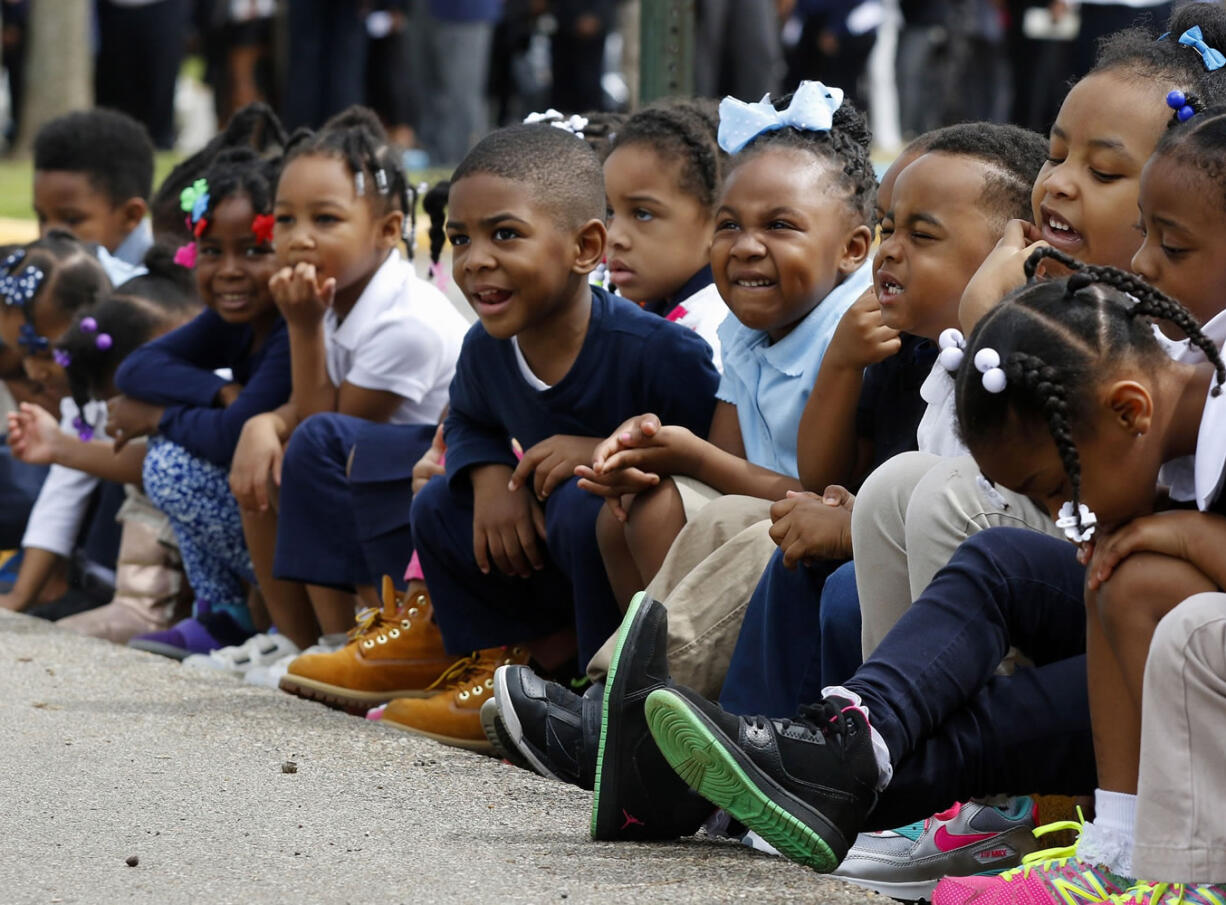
x=954 y=728
x=799 y=635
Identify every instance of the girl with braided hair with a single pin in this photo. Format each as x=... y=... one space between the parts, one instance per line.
x=370 y=342
x=1064 y=394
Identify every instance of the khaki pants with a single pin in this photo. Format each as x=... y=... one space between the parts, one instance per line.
x=911 y=514
x=706 y=581
x=1181 y=806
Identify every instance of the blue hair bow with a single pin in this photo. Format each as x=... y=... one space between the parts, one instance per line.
x=31 y=341
x=1195 y=39
x=811 y=110
x=18 y=289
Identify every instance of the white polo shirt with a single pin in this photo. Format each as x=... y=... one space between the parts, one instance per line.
x=58 y=513
x=403 y=336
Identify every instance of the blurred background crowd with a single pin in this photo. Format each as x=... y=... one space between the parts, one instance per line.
x=442 y=72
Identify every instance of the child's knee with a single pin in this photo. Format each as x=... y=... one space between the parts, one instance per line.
x=1143 y=585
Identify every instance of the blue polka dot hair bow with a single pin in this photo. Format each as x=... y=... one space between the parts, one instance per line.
x=18 y=288
x=1195 y=39
x=811 y=110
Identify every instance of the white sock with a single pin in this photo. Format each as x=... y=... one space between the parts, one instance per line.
x=885 y=769
x=336 y=639
x=1108 y=840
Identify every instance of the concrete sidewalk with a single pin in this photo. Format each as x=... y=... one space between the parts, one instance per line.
x=110 y=754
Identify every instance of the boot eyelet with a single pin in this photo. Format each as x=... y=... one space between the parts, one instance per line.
x=405 y=624
x=412 y=611
x=477 y=689
x=394 y=633
x=382 y=639
x=489 y=683
x=463 y=696
x=368 y=644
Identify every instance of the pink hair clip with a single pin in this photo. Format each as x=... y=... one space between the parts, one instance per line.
x=186 y=255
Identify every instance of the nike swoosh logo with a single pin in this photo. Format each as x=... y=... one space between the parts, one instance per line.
x=948 y=842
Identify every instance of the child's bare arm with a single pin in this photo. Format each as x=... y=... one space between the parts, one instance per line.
x=718 y=462
x=828 y=449
x=1195 y=537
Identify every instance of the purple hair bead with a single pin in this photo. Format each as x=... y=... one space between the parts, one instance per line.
x=103 y=341
x=88 y=325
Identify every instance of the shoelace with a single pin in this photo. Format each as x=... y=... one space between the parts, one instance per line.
x=375 y=625
x=1060 y=852
x=1025 y=870
x=1147 y=894
x=460 y=673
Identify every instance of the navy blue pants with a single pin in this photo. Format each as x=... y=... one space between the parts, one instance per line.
x=341 y=526
x=476 y=611
x=801 y=633
x=955 y=729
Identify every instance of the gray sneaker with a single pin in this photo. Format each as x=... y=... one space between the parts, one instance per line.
x=907 y=862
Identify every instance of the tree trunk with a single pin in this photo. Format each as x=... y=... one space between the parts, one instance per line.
x=59 y=64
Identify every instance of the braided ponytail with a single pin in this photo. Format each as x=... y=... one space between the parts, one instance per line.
x=1148 y=301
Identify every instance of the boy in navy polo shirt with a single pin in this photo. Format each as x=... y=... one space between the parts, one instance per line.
x=553 y=367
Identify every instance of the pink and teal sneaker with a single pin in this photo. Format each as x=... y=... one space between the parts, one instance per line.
x=1058 y=881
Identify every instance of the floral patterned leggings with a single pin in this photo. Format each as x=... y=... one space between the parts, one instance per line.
x=195 y=495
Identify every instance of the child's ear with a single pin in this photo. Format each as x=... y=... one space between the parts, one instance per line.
x=390 y=230
x=133 y=211
x=1132 y=406
x=589 y=246
x=855 y=249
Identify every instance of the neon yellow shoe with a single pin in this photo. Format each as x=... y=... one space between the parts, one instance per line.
x=1172 y=894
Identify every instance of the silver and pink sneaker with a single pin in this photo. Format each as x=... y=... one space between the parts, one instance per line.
x=906 y=863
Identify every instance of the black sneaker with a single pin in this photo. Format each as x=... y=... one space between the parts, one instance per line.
x=804 y=785
x=496 y=732
x=638 y=796
x=551 y=727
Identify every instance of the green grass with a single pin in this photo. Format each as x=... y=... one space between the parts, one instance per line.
x=16 y=181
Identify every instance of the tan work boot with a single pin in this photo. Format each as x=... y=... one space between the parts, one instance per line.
x=393 y=652
x=452 y=715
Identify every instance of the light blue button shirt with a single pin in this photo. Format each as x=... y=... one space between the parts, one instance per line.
x=769 y=383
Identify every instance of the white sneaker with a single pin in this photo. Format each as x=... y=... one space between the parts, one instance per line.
x=269 y=675
x=257 y=651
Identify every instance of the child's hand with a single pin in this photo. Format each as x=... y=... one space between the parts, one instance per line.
x=34 y=436
x=633 y=432
x=862 y=338
x=645 y=444
x=508 y=525
x=300 y=297
x=552 y=462
x=809 y=527
x=1000 y=273
x=431 y=463
x=257 y=459
x=617 y=487
x=127 y=419
x=1168 y=533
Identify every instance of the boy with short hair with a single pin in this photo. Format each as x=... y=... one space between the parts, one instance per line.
x=93 y=176
x=555 y=364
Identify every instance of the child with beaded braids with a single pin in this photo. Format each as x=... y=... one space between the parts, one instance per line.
x=917 y=508
x=1064 y=394
x=146 y=576
x=173 y=395
x=43 y=286
x=369 y=342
